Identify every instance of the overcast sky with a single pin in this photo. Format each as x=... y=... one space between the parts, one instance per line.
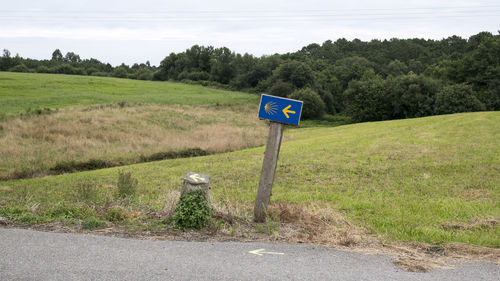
x=130 y=31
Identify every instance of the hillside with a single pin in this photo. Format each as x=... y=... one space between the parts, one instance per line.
x=433 y=179
x=22 y=91
x=59 y=123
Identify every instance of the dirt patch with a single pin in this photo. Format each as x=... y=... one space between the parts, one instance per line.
x=294 y=223
x=318 y=225
x=3 y=221
x=421 y=257
x=472 y=224
x=474 y=194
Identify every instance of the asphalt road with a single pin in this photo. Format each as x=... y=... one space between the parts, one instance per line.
x=31 y=255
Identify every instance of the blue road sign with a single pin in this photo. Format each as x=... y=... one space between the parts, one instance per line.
x=280 y=109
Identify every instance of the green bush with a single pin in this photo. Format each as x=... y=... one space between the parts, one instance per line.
x=100 y=74
x=127 y=185
x=19 y=68
x=119 y=72
x=411 y=95
x=116 y=214
x=42 y=69
x=457 y=98
x=144 y=74
x=281 y=89
x=194 y=76
x=313 y=107
x=192 y=210
x=38 y=111
x=367 y=100
x=67 y=69
x=190 y=152
x=74 y=166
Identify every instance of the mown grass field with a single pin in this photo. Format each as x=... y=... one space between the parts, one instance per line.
x=22 y=91
x=61 y=121
x=433 y=180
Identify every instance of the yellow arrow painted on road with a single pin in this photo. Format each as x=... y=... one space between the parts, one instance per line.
x=260 y=252
x=286 y=111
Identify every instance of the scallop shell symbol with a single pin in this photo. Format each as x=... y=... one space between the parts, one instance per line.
x=271 y=108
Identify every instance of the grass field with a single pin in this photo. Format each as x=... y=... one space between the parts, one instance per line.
x=22 y=91
x=54 y=121
x=434 y=180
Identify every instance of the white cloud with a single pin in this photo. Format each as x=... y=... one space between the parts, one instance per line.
x=132 y=31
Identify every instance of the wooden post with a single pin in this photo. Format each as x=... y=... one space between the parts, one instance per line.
x=268 y=170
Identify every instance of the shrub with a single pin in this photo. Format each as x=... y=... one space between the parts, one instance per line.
x=457 y=98
x=64 y=69
x=297 y=73
x=281 y=89
x=192 y=210
x=116 y=214
x=19 y=68
x=74 y=166
x=411 y=95
x=91 y=70
x=313 y=107
x=38 y=111
x=367 y=100
x=190 y=152
x=100 y=74
x=144 y=74
x=195 y=75
x=127 y=185
x=119 y=72
x=42 y=69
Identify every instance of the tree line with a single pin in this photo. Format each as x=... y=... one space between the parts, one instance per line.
x=367 y=81
x=71 y=63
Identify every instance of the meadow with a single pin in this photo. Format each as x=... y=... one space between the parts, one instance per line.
x=22 y=92
x=62 y=123
x=434 y=180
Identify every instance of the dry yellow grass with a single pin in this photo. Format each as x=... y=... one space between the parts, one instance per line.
x=120 y=134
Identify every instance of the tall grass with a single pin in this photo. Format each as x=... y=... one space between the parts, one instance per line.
x=115 y=134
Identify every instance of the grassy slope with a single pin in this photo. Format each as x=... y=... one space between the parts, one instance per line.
x=173 y=117
x=402 y=179
x=20 y=91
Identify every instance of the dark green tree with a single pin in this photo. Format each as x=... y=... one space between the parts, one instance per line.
x=313 y=106
x=297 y=73
x=457 y=98
x=72 y=58
x=367 y=100
x=281 y=89
x=57 y=55
x=222 y=67
x=411 y=95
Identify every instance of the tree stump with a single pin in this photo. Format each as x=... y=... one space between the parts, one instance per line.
x=195 y=181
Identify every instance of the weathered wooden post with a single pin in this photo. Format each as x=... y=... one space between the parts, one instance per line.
x=279 y=111
x=268 y=170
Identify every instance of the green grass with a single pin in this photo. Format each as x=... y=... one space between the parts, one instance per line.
x=57 y=123
x=400 y=179
x=22 y=91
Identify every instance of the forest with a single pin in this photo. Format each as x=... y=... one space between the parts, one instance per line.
x=366 y=81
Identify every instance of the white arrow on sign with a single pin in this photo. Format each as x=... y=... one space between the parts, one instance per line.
x=261 y=252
